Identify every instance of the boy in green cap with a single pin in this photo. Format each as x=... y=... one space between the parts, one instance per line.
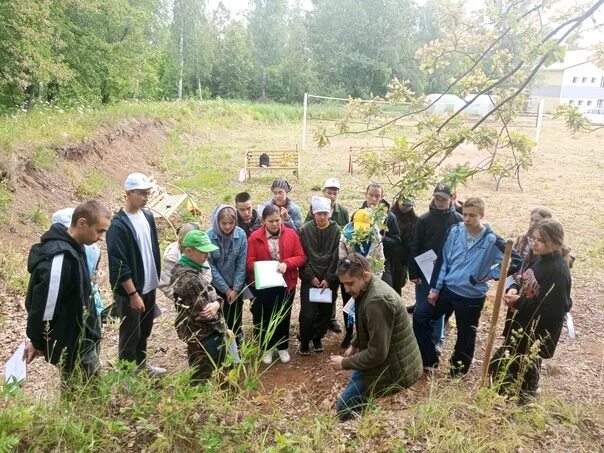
x=199 y=321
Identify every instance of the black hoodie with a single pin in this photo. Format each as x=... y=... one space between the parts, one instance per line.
x=61 y=315
x=125 y=258
x=430 y=232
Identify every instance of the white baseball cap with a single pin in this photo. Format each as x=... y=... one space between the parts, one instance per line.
x=136 y=181
x=63 y=216
x=331 y=182
x=320 y=204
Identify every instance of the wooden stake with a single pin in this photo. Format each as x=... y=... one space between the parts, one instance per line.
x=507 y=254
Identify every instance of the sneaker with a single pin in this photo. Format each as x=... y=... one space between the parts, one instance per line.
x=267 y=358
x=346 y=341
x=153 y=371
x=430 y=370
x=284 y=355
x=317 y=345
x=334 y=326
x=438 y=348
x=304 y=348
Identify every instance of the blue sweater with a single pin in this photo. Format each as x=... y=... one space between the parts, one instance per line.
x=465 y=271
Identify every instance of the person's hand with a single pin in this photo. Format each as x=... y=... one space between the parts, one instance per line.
x=210 y=311
x=350 y=351
x=99 y=277
x=136 y=303
x=315 y=282
x=336 y=362
x=231 y=295
x=416 y=281
x=284 y=214
x=281 y=268
x=432 y=298
x=324 y=284
x=30 y=352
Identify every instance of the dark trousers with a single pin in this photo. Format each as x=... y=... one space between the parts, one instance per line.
x=233 y=313
x=345 y=298
x=314 y=317
x=135 y=328
x=398 y=275
x=424 y=322
x=467 y=314
x=87 y=365
x=334 y=299
x=515 y=373
x=271 y=313
x=205 y=355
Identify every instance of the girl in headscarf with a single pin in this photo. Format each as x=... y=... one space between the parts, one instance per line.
x=290 y=212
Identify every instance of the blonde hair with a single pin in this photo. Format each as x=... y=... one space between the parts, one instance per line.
x=475 y=202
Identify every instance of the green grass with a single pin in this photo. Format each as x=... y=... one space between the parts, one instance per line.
x=5 y=200
x=135 y=413
x=90 y=184
x=13 y=271
x=43 y=158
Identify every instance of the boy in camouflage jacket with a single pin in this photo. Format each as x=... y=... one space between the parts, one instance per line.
x=199 y=321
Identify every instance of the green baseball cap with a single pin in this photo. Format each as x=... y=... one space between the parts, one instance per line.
x=198 y=240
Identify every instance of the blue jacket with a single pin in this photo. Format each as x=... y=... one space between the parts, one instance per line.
x=228 y=266
x=466 y=272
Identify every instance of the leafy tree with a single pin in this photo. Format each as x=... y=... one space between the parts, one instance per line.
x=29 y=50
x=107 y=49
x=360 y=46
x=267 y=26
x=232 y=74
x=192 y=49
x=500 y=49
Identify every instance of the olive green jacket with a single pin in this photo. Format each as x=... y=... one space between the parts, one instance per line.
x=388 y=353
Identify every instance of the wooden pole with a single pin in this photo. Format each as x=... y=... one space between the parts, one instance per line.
x=496 y=306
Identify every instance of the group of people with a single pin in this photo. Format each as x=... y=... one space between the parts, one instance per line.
x=367 y=257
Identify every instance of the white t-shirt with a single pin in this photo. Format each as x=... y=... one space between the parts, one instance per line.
x=472 y=239
x=143 y=238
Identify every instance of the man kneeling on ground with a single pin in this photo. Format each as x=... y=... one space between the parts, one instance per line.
x=384 y=355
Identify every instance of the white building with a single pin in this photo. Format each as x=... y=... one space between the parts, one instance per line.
x=575 y=81
x=446 y=103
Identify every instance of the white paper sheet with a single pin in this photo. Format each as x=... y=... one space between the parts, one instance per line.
x=319 y=295
x=509 y=281
x=425 y=261
x=349 y=307
x=266 y=275
x=570 y=326
x=15 y=369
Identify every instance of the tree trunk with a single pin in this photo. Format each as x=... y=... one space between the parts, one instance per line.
x=182 y=60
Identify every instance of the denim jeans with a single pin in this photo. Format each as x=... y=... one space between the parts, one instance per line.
x=428 y=331
x=353 y=398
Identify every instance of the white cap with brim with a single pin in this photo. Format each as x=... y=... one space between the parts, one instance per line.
x=320 y=204
x=137 y=181
x=63 y=216
x=331 y=182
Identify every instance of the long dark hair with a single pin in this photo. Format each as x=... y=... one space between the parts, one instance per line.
x=406 y=220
